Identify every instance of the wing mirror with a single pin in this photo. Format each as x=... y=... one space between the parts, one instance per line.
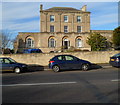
x=12 y=63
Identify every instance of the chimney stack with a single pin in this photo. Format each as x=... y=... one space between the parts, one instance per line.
x=84 y=8
x=41 y=7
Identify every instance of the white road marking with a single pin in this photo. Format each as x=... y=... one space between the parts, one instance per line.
x=115 y=80
x=55 y=83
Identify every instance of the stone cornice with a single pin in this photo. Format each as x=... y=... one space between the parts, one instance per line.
x=54 y=11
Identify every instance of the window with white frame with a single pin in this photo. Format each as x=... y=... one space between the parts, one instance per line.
x=79 y=43
x=51 y=28
x=29 y=43
x=65 y=18
x=52 y=18
x=79 y=29
x=78 y=18
x=65 y=29
x=51 y=43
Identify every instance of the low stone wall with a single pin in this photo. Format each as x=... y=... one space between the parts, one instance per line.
x=43 y=58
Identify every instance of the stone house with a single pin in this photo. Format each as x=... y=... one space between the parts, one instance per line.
x=60 y=27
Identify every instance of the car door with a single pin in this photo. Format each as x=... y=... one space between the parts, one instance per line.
x=61 y=62
x=6 y=65
x=1 y=60
x=72 y=62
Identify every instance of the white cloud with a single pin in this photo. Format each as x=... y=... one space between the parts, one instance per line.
x=104 y=19
x=32 y=26
x=13 y=11
x=20 y=27
x=16 y=16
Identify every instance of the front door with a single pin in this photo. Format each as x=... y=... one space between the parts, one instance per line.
x=66 y=44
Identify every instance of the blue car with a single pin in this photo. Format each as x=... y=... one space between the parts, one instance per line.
x=8 y=64
x=32 y=51
x=115 y=60
x=60 y=62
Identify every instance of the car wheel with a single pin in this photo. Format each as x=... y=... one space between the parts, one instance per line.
x=85 y=67
x=56 y=68
x=17 y=70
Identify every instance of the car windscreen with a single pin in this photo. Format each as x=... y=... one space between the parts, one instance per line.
x=1 y=60
x=117 y=55
x=11 y=60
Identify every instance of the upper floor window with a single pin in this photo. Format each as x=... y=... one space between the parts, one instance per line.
x=29 y=43
x=78 y=18
x=65 y=18
x=51 y=28
x=65 y=29
x=79 y=29
x=52 y=18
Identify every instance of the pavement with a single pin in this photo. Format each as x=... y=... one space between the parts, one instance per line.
x=105 y=65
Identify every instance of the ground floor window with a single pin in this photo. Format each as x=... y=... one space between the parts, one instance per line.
x=52 y=42
x=79 y=43
x=29 y=43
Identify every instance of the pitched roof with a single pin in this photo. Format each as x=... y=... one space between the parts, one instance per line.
x=62 y=9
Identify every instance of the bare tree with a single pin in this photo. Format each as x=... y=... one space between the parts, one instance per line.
x=6 y=40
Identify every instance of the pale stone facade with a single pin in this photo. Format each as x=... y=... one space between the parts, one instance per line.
x=60 y=26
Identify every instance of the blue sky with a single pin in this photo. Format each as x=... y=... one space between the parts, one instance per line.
x=25 y=16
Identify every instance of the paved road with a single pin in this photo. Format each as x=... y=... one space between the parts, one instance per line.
x=74 y=86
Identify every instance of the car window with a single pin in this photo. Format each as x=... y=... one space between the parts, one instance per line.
x=70 y=58
x=59 y=57
x=117 y=55
x=11 y=60
x=6 y=61
x=1 y=61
